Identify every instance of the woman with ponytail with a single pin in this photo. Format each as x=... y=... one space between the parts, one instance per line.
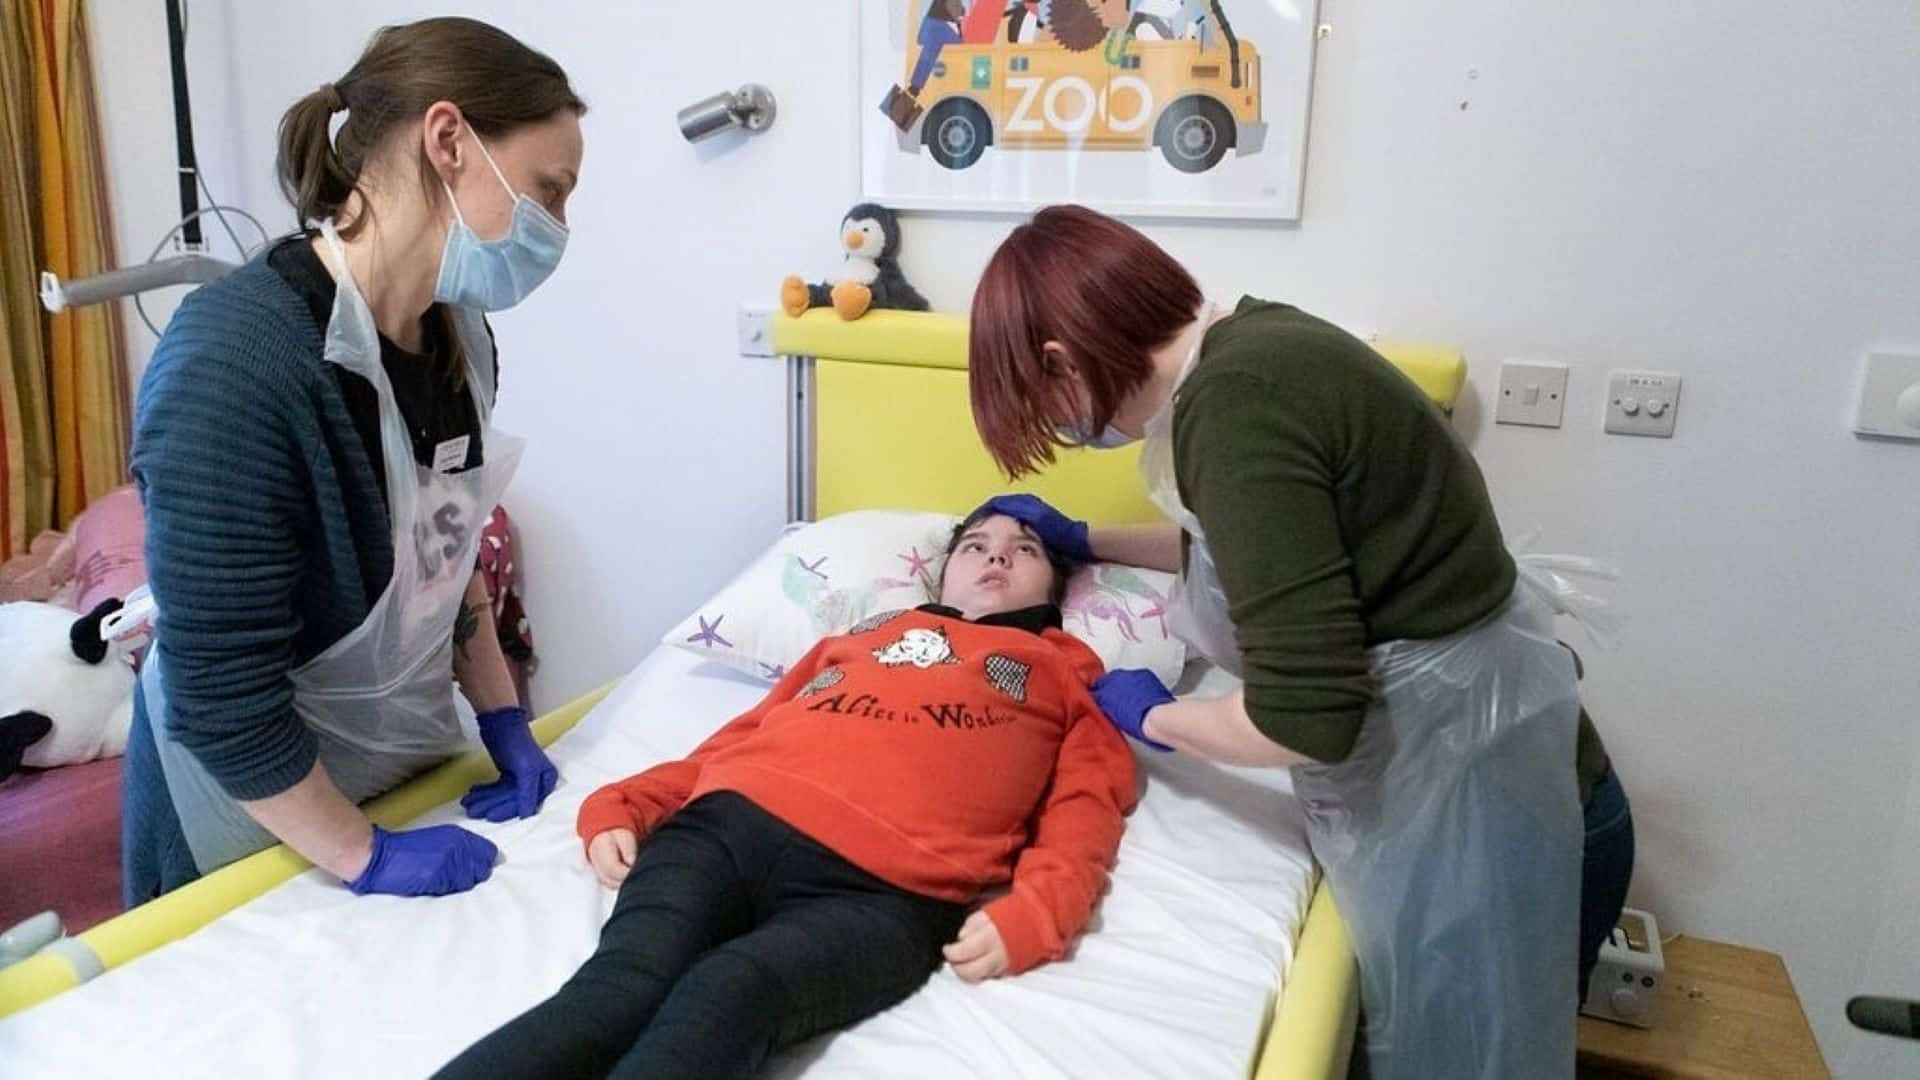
x=313 y=446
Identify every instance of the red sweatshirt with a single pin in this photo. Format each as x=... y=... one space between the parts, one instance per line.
x=942 y=756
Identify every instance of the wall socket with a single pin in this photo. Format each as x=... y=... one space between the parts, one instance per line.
x=755 y=325
x=1533 y=394
x=1889 y=397
x=1642 y=403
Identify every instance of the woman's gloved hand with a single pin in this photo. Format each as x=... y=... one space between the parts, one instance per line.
x=1127 y=696
x=527 y=777
x=433 y=861
x=1055 y=529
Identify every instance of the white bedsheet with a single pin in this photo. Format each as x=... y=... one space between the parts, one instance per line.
x=1172 y=979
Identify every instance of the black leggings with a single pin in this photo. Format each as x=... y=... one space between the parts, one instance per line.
x=734 y=936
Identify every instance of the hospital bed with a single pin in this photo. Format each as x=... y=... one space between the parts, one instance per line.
x=1216 y=952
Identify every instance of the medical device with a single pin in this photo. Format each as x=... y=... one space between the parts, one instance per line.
x=1626 y=979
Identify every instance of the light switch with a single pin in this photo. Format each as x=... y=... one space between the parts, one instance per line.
x=1890 y=397
x=1642 y=403
x=1533 y=394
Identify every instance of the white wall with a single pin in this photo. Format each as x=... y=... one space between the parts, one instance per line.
x=1723 y=190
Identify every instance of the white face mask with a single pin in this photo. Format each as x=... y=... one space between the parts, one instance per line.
x=494 y=275
x=1110 y=439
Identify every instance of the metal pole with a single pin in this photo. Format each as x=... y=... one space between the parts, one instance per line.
x=183 y=128
x=800 y=422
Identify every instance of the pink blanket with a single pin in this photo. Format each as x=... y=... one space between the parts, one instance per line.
x=101 y=556
x=60 y=844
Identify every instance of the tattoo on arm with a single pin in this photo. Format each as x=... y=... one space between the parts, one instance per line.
x=465 y=625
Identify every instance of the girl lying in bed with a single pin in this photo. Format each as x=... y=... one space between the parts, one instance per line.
x=813 y=862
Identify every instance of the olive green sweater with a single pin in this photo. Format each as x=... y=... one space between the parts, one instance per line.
x=1342 y=512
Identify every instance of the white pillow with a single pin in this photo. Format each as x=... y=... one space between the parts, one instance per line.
x=1121 y=611
x=818 y=579
x=821 y=578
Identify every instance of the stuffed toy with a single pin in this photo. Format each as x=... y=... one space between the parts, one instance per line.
x=870 y=275
x=66 y=695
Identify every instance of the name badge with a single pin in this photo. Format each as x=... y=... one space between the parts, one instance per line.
x=451 y=456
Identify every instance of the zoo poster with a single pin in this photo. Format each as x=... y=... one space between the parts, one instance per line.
x=1180 y=108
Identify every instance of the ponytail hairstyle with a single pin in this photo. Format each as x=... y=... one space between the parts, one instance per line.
x=498 y=83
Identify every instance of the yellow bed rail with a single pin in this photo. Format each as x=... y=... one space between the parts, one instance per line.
x=1313 y=1029
x=191 y=907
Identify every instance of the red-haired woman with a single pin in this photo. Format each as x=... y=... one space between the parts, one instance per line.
x=1342 y=556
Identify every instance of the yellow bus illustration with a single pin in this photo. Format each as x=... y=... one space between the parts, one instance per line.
x=1194 y=98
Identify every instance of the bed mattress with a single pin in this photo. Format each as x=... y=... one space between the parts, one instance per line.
x=1174 y=978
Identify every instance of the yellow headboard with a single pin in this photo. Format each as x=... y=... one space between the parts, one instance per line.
x=883 y=421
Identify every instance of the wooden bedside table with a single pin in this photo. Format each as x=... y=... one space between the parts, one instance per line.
x=1723 y=1011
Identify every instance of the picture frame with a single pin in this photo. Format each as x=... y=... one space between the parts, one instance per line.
x=1139 y=108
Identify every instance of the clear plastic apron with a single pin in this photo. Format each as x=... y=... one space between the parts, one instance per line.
x=381 y=700
x=1451 y=836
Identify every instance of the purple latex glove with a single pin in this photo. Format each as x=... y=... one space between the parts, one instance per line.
x=1127 y=696
x=433 y=861
x=527 y=777
x=1064 y=535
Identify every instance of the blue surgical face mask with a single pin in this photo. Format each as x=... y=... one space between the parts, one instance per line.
x=1110 y=439
x=494 y=275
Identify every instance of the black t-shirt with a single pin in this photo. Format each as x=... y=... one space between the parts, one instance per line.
x=434 y=406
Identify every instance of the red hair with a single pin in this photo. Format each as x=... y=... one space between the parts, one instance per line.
x=1100 y=288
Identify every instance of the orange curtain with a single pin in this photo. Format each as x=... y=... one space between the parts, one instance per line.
x=65 y=376
x=26 y=481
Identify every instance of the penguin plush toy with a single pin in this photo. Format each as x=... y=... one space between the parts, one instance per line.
x=869 y=275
